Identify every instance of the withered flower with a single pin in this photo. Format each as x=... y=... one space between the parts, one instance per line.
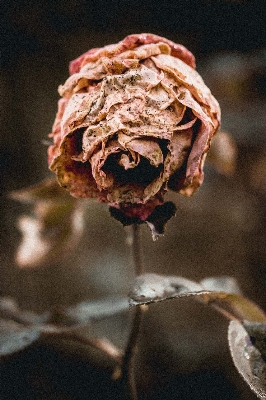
x=135 y=120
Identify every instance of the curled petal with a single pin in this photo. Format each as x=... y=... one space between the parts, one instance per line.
x=178 y=150
x=130 y=42
x=188 y=77
x=148 y=148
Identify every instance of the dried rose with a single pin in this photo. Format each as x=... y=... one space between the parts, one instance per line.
x=135 y=120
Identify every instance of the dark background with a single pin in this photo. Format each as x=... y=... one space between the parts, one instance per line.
x=39 y=38
x=220 y=231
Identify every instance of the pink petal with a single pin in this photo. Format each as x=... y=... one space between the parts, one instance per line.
x=130 y=42
x=148 y=148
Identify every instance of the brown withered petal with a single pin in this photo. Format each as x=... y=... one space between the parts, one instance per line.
x=134 y=121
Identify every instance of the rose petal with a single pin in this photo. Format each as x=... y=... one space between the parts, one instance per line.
x=130 y=42
x=131 y=193
x=202 y=139
x=153 y=188
x=146 y=51
x=129 y=160
x=187 y=76
x=104 y=179
x=178 y=151
x=148 y=148
x=95 y=72
x=53 y=151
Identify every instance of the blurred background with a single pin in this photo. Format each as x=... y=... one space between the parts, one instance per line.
x=219 y=231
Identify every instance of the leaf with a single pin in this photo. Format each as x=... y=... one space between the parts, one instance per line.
x=100 y=352
x=55 y=228
x=24 y=327
x=87 y=311
x=247 y=359
x=9 y=309
x=257 y=334
x=152 y=288
x=238 y=307
x=226 y=284
x=97 y=353
x=14 y=337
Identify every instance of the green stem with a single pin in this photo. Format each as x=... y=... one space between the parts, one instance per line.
x=128 y=365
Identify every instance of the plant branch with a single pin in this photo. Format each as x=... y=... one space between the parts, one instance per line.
x=102 y=344
x=128 y=365
x=136 y=249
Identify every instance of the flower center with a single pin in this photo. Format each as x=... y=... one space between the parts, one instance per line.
x=143 y=174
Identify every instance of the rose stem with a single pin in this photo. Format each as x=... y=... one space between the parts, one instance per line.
x=135 y=329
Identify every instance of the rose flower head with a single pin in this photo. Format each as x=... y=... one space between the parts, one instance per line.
x=135 y=120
